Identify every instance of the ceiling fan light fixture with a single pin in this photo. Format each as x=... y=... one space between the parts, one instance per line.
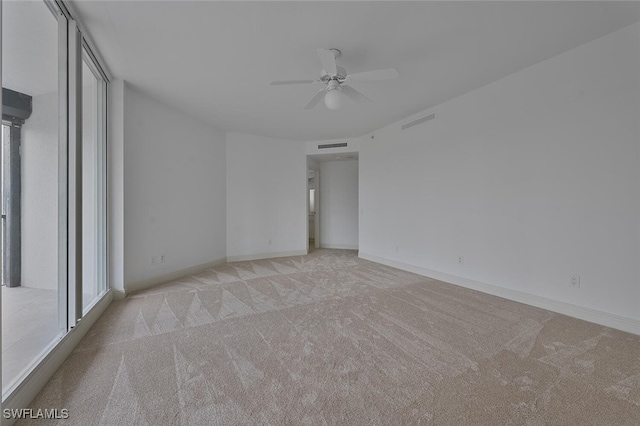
x=333 y=99
x=334 y=78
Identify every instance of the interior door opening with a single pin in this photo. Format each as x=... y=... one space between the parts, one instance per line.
x=313 y=195
x=332 y=198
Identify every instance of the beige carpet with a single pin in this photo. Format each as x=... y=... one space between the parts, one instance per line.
x=331 y=339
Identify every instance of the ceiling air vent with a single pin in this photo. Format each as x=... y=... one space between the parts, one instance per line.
x=333 y=145
x=419 y=121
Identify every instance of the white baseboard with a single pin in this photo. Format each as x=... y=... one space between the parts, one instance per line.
x=150 y=282
x=340 y=246
x=592 y=315
x=24 y=393
x=259 y=256
x=118 y=295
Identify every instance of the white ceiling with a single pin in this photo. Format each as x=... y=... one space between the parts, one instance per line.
x=214 y=60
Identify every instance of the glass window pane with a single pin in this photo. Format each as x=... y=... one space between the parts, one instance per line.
x=92 y=186
x=30 y=189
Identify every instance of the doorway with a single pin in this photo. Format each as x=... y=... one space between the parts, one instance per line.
x=332 y=200
x=313 y=210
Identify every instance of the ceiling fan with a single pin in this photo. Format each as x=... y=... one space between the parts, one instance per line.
x=334 y=79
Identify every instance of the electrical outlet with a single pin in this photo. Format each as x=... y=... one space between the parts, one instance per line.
x=575 y=281
x=396 y=249
x=162 y=258
x=461 y=260
x=154 y=260
x=270 y=242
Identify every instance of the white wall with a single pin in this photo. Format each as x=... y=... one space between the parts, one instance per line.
x=532 y=179
x=39 y=161
x=174 y=190
x=339 y=204
x=266 y=197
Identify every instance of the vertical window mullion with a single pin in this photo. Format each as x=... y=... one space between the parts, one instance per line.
x=75 y=174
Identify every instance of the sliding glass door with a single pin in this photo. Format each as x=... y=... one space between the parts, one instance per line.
x=33 y=184
x=53 y=183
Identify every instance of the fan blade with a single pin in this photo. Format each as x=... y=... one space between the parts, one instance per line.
x=354 y=95
x=316 y=98
x=328 y=60
x=386 y=74
x=281 y=83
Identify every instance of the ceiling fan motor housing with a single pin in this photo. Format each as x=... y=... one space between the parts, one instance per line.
x=342 y=74
x=333 y=84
